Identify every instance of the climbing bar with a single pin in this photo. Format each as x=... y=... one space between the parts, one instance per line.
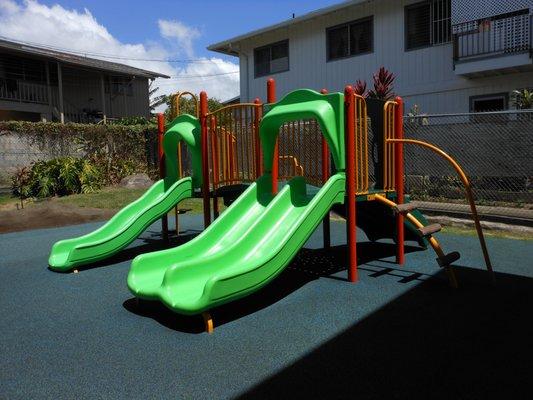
x=432 y=241
x=361 y=145
x=404 y=208
x=389 y=117
x=468 y=193
x=176 y=103
x=430 y=229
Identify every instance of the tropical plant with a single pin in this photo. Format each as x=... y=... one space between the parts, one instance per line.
x=155 y=101
x=57 y=177
x=523 y=99
x=360 y=88
x=383 y=85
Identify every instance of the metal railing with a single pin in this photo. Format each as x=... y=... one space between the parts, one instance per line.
x=494 y=148
x=491 y=37
x=22 y=91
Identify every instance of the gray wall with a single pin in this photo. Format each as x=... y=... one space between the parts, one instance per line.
x=424 y=76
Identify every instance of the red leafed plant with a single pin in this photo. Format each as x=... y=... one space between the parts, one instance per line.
x=360 y=88
x=383 y=88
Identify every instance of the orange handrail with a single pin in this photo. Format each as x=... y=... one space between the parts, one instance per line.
x=432 y=241
x=468 y=192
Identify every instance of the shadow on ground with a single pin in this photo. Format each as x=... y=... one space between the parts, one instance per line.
x=308 y=265
x=431 y=343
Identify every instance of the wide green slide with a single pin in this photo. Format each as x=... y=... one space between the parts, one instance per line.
x=259 y=234
x=230 y=260
x=132 y=220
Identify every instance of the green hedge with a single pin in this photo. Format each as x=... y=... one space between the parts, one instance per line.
x=117 y=150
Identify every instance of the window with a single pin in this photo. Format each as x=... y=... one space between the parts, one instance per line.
x=271 y=59
x=427 y=24
x=119 y=85
x=491 y=102
x=350 y=39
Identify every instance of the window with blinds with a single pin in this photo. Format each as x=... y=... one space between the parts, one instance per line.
x=350 y=39
x=427 y=23
x=271 y=59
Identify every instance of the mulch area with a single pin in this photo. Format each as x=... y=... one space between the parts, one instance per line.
x=49 y=214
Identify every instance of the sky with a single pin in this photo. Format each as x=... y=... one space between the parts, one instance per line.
x=152 y=34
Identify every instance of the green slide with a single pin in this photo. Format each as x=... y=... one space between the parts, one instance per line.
x=243 y=250
x=120 y=230
x=259 y=234
x=132 y=220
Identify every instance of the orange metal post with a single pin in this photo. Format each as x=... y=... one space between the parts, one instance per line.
x=271 y=98
x=205 y=161
x=258 y=114
x=325 y=176
x=349 y=105
x=398 y=149
x=161 y=156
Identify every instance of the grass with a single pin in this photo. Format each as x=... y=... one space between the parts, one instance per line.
x=7 y=200
x=113 y=198
x=516 y=235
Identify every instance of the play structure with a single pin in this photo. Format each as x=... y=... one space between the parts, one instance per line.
x=280 y=167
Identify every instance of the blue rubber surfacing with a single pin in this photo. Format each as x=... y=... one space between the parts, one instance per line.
x=82 y=335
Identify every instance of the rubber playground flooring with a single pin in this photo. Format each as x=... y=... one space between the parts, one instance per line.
x=400 y=332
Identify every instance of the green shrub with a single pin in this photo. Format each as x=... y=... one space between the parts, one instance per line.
x=57 y=177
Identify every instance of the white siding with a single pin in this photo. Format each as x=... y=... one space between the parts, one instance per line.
x=424 y=77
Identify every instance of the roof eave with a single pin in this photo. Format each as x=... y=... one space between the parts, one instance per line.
x=221 y=46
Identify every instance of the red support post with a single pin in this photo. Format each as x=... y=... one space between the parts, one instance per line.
x=205 y=161
x=325 y=176
x=398 y=179
x=258 y=114
x=271 y=98
x=161 y=157
x=349 y=106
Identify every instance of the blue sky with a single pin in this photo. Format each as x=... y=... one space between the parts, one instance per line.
x=136 y=21
x=146 y=34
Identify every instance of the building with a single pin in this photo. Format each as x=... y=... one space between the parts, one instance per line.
x=42 y=84
x=448 y=55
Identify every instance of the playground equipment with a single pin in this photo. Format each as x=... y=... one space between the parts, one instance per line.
x=261 y=231
x=241 y=152
x=132 y=220
x=233 y=154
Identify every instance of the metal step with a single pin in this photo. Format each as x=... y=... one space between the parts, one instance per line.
x=448 y=259
x=184 y=210
x=404 y=208
x=430 y=229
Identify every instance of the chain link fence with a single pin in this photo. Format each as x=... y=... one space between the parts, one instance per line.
x=495 y=149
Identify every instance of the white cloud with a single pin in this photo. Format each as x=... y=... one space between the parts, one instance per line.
x=77 y=30
x=183 y=34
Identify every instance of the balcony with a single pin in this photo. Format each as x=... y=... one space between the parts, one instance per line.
x=22 y=91
x=496 y=45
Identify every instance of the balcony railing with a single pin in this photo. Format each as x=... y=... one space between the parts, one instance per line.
x=22 y=91
x=501 y=35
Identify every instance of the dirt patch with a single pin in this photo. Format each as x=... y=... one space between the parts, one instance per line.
x=49 y=214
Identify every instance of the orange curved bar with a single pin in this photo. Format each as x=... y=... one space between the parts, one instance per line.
x=432 y=241
x=468 y=192
x=176 y=102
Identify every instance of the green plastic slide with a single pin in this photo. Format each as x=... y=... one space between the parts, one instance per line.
x=259 y=234
x=132 y=220
x=243 y=250
x=121 y=230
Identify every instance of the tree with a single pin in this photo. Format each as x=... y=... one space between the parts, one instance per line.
x=155 y=101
